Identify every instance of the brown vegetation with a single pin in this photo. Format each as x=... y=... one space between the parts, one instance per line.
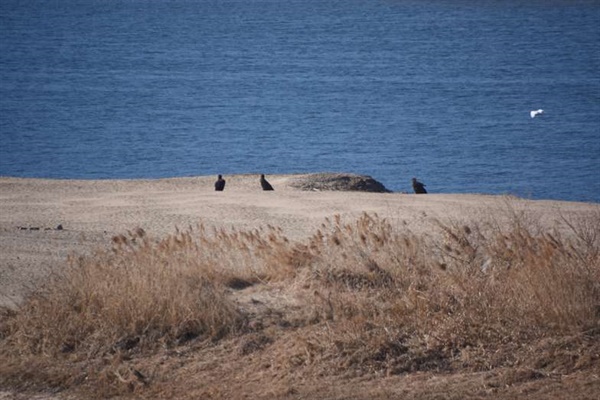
x=362 y=309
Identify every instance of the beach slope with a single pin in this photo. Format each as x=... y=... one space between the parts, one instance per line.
x=43 y=221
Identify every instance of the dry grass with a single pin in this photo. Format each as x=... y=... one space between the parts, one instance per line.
x=402 y=304
x=358 y=299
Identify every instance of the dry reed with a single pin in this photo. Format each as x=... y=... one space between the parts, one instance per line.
x=383 y=298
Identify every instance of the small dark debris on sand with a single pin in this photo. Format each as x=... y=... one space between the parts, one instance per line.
x=338 y=182
x=37 y=228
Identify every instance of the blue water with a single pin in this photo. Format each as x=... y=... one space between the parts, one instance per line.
x=440 y=90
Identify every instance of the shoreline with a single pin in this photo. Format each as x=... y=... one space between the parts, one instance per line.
x=209 y=180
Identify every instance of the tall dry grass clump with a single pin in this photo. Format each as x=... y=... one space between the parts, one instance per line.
x=402 y=302
x=141 y=295
x=144 y=291
x=139 y=291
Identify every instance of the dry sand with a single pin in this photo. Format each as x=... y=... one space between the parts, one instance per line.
x=91 y=212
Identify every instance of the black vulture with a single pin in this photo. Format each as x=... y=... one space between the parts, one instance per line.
x=220 y=184
x=418 y=187
x=264 y=184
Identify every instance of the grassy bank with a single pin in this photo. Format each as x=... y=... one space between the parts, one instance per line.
x=226 y=313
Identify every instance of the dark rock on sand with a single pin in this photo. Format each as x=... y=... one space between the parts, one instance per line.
x=338 y=182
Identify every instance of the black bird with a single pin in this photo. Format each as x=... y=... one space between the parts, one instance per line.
x=418 y=187
x=220 y=184
x=265 y=185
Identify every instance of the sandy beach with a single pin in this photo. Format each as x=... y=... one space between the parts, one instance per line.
x=91 y=212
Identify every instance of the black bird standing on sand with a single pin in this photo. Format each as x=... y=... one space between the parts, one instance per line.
x=265 y=185
x=418 y=187
x=220 y=184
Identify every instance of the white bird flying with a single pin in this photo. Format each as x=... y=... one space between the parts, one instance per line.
x=535 y=113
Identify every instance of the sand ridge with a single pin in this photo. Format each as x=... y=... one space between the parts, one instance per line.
x=91 y=212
